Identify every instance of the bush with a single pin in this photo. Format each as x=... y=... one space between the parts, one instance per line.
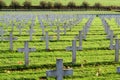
x=43 y=4
x=2 y=4
x=14 y=4
x=58 y=5
x=27 y=4
x=71 y=5
x=97 y=5
x=49 y=5
x=85 y=5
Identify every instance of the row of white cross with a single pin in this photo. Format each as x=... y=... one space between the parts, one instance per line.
x=59 y=72
x=110 y=36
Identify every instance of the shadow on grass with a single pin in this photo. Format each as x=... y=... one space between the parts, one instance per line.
x=96 y=48
x=48 y=66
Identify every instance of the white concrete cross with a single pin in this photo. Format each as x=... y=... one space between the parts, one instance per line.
x=26 y=50
x=118 y=70
x=58 y=32
x=1 y=33
x=108 y=33
x=59 y=72
x=43 y=28
x=20 y=28
x=112 y=46
x=46 y=38
x=12 y=25
x=73 y=48
x=117 y=50
x=31 y=31
x=11 y=38
x=65 y=28
x=79 y=37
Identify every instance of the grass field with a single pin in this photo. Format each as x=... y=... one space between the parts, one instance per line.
x=78 y=2
x=95 y=56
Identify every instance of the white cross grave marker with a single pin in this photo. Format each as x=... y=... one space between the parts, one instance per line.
x=11 y=38
x=112 y=46
x=43 y=28
x=20 y=28
x=1 y=33
x=59 y=72
x=58 y=33
x=117 y=50
x=26 y=50
x=46 y=38
x=73 y=48
x=65 y=28
x=31 y=31
x=80 y=37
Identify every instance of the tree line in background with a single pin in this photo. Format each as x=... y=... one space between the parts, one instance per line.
x=56 y=5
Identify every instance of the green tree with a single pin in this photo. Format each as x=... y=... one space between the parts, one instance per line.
x=49 y=5
x=58 y=5
x=97 y=5
x=71 y=4
x=15 y=4
x=43 y=4
x=27 y=4
x=85 y=5
x=2 y=4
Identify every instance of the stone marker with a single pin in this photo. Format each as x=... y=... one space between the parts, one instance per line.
x=58 y=32
x=65 y=28
x=26 y=50
x=11 y=38
x=118 y=69
x=2 y=33
x=59 y=72
x=43 y=29
x=80 y=37
x=112 y=46
x=46 y=38
x=117 y=50
x=20 y=28
x=31 y=31
x=73 y=48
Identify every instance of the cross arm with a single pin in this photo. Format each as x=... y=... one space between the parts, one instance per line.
x=32 y=49
x=20 y=50
x=69 y=48
x=68 y=72
x=51 y=73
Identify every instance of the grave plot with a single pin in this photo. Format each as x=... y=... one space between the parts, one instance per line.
x=95 y=61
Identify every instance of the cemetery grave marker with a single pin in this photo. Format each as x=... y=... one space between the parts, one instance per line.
x=58 y=32
x=112 y=46
x=46 y=38
x=73 y=48
x=2 y=33
x=79 y=37
x=59 y=72
x=11 y=38
x=26 y=50
x=31 y=31
x=117 y=50
x=118 y=69
x=20 y=28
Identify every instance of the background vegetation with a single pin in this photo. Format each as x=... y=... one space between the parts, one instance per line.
x=60 y=4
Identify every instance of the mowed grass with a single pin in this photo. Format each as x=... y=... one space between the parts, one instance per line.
x=95 y=56
x=78 y=2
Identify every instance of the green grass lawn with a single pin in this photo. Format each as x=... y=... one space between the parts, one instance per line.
x=78 y=2
x=95 y=56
